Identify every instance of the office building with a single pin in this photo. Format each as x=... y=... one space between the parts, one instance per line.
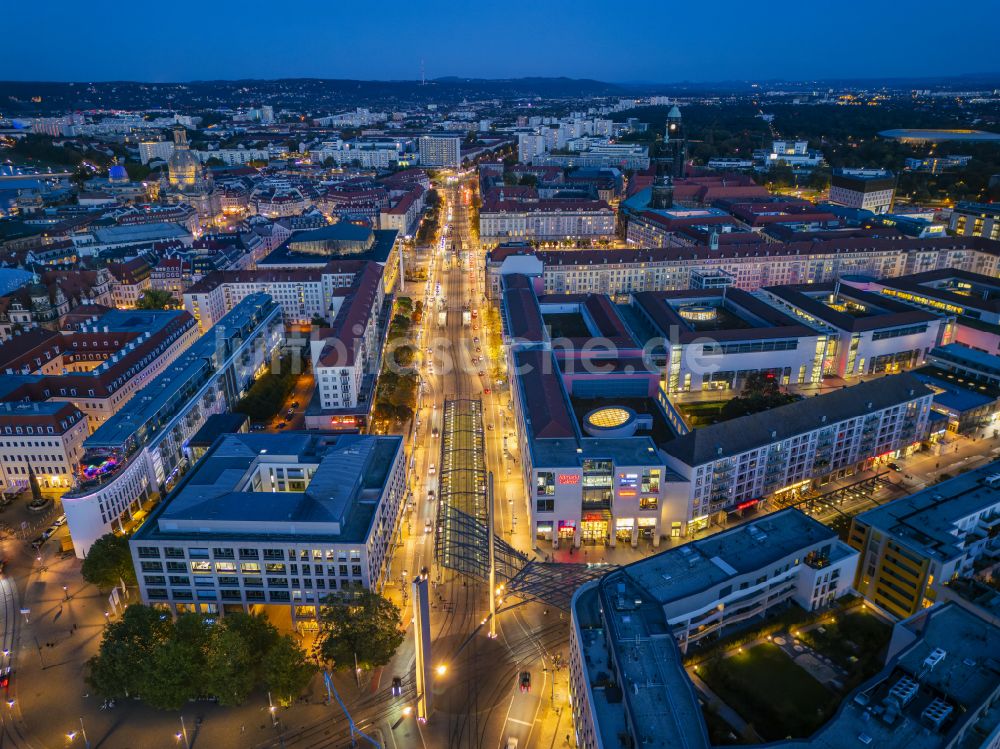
x=440 y=151
x=867 y=334
x=913 y=546
x=714 y=338
x=745 y=462
x=630 y=627
x=974 y=297
x=865 y=189
x=275 y=520
x=138 y=454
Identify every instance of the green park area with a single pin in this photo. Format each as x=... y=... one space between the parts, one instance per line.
x=772 y=693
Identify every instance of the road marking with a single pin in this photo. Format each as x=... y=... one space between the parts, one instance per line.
x=522 y=722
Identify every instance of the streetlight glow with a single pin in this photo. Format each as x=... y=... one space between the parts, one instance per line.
x=442 y=670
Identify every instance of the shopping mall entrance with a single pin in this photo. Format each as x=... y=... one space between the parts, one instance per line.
x=594 y=528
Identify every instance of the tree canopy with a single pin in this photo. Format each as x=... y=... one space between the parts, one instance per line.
x=366 y=627
x=761 y=391
x=108 y=562
x=156 y=299
x=166 y=663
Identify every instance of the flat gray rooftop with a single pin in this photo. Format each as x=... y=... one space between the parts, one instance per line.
x=216 y=498
x=699 y=565
x=925 y=521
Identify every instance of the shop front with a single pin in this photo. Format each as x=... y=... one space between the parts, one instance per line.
x=595 y=527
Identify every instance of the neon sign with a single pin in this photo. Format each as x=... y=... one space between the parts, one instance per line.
x=569 y=479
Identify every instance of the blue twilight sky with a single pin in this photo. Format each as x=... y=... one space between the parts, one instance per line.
x=652 y=40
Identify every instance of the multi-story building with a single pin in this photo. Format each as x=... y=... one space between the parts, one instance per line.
x=41 y=438
x=529 y=218
x=98 y=363
x=303 y=293
x=975 y=220
x=529 y=145
x=713 y=339
x=275 y=520
x=865 y=189
x=951 y=290
x=405 y=213
x=629 y=628
x=913 y=546
x=138 y=454
x=774 y=455
x=155 y=149
x=751 y=266
x=346 y=356
x=440 y=151
x=129 y=281
x=866 y=334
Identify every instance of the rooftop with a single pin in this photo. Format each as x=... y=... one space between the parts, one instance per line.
x=343 y=476
x=729 y=438
x=926 y=521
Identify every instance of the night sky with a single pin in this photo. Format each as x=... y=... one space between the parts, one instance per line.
x=655 y=41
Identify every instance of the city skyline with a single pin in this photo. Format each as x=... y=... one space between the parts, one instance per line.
x=674 y=46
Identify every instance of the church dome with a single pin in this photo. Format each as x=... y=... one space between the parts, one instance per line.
x=117 y=173
x=183 y=166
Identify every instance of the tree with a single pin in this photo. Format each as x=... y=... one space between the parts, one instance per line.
x=156 y=299
x=120 y=668
x=286 y=670
x=108 y=562
x=177 y=670
x=761 y=391
x=366 y=627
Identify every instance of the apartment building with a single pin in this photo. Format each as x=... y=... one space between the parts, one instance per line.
x=440 y=151
x=750 y=267
x=526 y=217
x=913 y=546
x=975 y=220
x=749 y=461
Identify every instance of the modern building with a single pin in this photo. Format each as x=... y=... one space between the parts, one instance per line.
x=155 y=149
x=976 y=367
x=975 y=220
x=913 y=546
x=628 y=629
x=275 y=520
x=743 y=463
x=440 y=151
x=865 y=189
x=713 y=338
x=974 y=297
x=866 y=334
x=138 y=454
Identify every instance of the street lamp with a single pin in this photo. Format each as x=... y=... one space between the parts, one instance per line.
x=442 y=669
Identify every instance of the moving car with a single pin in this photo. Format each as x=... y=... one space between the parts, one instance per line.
x=895 y=466
x=511 y=742
x=525 y=681
x=397 y=686
x=428 y=527
x=430 y=469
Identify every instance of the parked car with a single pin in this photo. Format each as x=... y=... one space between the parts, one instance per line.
x=61 y=520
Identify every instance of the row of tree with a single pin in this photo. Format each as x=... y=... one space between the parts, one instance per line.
x=167 y=662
